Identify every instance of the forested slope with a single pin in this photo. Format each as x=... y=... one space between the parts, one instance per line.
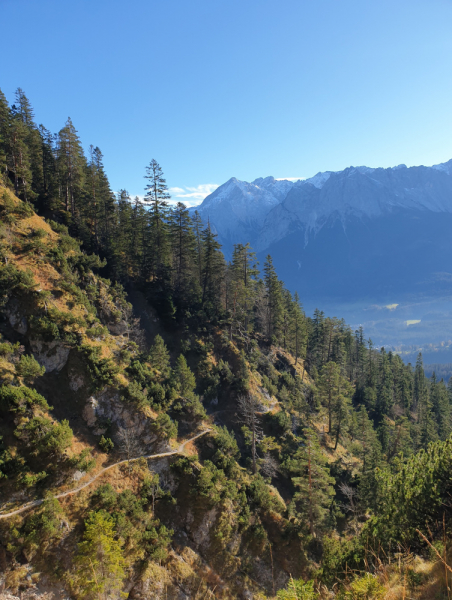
x=322 y=456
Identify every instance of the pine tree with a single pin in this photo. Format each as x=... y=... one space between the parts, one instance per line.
x=159 y=355
x=183 y=244
x=242 y=283
x=298 y=329
x=23 y=111
x=249 y=413
x=316 y=347
x=328 y=386
x=49 y=192
x=137 y=238
x=19 y=164
x=99 y=209
x=440 y=407
x=426 y=428
x=385 y=397
x=100 y=563
x=156 y=250
x=71 y=167
x=313 y=482
x=371 y=457
x=123 y=251
x=212 y=273
x=197 y=231
x=183 y=379
x=400 y=439
x=274 y=300
x=341 y=407
x=4 y=136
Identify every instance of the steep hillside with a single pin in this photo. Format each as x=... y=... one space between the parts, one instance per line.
x=207 y=439
x=73 y=382
x=94 y=430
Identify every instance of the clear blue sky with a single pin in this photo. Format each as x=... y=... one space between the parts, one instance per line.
x=246 y=88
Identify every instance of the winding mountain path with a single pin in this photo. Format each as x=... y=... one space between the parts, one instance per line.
x=33 y=503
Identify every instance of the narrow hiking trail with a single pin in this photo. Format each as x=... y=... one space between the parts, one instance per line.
x=34 y=503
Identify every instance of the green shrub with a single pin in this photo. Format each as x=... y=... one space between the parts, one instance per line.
x=106 y=444
x=165 y=427
x=21 y=399
x=98 y=331
x=340 y=552
x=58 y=227
x=45 y=328
x=415 y=579
x=83 y=461
x=135 y=394
x=43 y=525
x=260 y=497
x=141 y=373
x=157 y=539
x=269 y=386
x=31 y=479
x=297 y=589
x=28 y=368
x=46 y=437
x=212 y=483
x=366 y=587
x=14 y=280
x=227 y=450
x=24 y=210
x=7 y=349
x=7 y=204
x=101 y=370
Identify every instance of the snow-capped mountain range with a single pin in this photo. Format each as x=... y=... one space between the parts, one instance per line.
x=266 y=210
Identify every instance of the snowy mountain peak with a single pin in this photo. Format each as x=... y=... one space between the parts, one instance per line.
x=319 y=180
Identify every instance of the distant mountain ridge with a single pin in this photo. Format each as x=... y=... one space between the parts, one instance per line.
x=266 y=210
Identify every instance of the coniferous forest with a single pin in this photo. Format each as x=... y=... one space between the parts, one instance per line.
x=254 y=451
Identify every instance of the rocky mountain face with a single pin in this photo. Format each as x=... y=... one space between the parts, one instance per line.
x=357 y=193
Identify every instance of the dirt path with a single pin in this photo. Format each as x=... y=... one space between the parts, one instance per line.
x=180 y=450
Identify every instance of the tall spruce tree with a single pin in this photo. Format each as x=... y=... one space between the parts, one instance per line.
x=242 y=287
x=212 y=273
x=183 y=244
x=71 y=168
x=328 y=386
x=157 y=248
x=274 y=299
x=298 y=329
x=4 y=136
x=440 y=407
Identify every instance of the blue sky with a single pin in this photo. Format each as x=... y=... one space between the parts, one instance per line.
x=246 y=88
